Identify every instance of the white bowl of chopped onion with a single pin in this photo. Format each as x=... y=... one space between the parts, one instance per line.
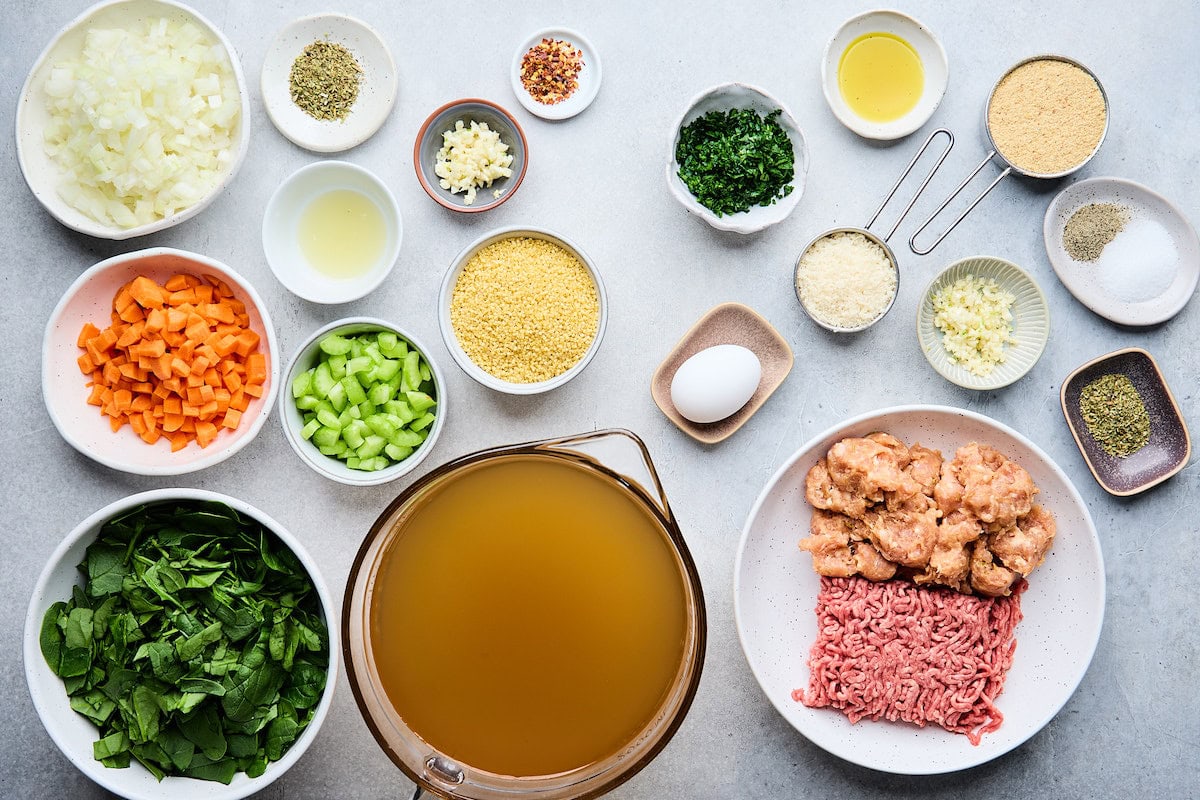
x=133 y=119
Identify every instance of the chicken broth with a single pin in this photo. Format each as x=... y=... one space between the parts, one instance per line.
x=529 y=616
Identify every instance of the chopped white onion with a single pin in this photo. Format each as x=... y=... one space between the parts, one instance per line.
x=142 y=122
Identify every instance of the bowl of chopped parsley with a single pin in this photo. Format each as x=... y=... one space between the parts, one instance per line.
x=179 y=645
x=738 y=159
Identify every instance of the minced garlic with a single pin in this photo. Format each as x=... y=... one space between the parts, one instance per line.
x=975 y=318
x=471 y=158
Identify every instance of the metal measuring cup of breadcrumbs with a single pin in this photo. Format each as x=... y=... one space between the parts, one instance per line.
x=1045 y=118
x=847 y=279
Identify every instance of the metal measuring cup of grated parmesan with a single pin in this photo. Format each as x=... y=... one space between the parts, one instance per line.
x=847 y=279
x=1026 y=143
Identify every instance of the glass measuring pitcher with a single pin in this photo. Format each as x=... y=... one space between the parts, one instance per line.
x=526 y=621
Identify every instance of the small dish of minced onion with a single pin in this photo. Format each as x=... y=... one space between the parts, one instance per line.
x=56 y=133
x=969 y=302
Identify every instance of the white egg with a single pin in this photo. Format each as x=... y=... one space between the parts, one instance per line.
x=715 y=383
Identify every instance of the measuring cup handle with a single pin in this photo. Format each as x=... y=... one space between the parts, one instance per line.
x=624 y=453
x=912 y=242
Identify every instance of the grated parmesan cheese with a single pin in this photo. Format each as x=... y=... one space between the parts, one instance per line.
x=471 y=158
x=845 y=280
x=975 y=318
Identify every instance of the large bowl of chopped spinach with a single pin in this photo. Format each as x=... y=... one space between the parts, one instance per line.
x=738 y=159
x=178 y=645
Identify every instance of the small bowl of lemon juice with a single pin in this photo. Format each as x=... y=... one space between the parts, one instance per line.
x=332 y=232
x=884 y=74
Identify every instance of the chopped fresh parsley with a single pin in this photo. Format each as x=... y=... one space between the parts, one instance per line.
x=733 y=160
x=197 y=644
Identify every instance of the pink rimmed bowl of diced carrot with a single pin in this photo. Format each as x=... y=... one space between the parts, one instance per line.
x=159 y=362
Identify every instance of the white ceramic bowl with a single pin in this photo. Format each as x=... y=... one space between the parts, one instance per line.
x=44 y=176
x=64 y=387
x=307 y=357
x=589 y=76
x=1080 y=277
x=775 y=590
x=447 y=293
x=933 y=62
x=376 y=90
x=74 y=733
x=1031 y=323
x=725 y=97
x=281 y=231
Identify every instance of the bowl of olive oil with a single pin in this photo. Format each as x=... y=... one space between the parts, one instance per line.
x=332 y=232
x=884 y=74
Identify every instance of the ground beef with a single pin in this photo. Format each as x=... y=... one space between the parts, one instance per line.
x=896 y=651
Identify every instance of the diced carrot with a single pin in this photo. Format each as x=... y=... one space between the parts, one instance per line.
x=133 y=313
x=256 y=368
x=254 y=389
x=112 y=373
x=146 y=292
x=209 y=410
x=178 y=442
x=232 y=419
x=156 y=321
x=204 y=294
x=115 y=421
x=140 y=403
x=143 y=388
x=172 y=422
x=182 y=296
x=176 y=282
x=88 y=333
x=194 y=381
x=123 y=300
x=206 y=432
x=85 y=364
x=94 y=397
x=176 y=319
x=247 y=341
x=239 y=401
x=233 y=381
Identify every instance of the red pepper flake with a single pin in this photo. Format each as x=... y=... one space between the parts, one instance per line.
x=550 y=71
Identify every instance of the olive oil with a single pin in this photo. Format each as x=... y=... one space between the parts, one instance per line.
x=529 y=617
x=342 y=233
x=881 y=77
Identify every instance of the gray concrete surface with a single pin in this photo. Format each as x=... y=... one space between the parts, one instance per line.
x=1133 y=727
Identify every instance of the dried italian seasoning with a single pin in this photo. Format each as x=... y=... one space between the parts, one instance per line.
x=324 y=80
x=1115 y=415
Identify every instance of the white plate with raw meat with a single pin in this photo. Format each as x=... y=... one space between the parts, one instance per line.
x=775 y=593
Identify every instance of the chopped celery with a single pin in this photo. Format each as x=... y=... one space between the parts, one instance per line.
x=421 y=423
x=419 y=401
x=334 y=345
x=302 y=384
x=310 y=427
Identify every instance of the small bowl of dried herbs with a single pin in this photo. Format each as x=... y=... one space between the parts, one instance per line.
x=328 y=82
x=1125 y=421
x=179 y=643
x=738 y=159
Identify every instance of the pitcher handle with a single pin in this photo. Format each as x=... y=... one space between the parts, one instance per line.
x=622 y=452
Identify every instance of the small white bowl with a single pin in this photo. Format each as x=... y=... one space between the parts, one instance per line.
x=1031 y=323
x=64 y=387
x=447 y=293
x=933 y=62
x=376 y=89
x=589 y=76
x=74 y=733
x=281 y=231
x=1080 y=277
x=307 y=356
x=725 y=97
x=44 y=176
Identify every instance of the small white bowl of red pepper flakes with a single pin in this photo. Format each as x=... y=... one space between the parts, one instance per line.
x=556 y=73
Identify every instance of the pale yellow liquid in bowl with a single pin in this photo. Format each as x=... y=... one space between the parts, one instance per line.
x=881 y=77
x=342 y=233
x=529 y=617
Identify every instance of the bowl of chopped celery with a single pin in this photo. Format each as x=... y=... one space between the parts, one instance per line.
x=112 y=159
x=738 y=159
x=983 y=323
x=363 y=403
x=212 y=695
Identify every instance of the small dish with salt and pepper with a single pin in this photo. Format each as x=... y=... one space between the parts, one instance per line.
x=1122 y=250
x=556 y=73
x=1125 y=421
x=328 y=56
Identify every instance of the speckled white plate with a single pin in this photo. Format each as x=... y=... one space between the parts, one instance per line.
x=775 y=591
x=376 y=90
x=1080 y=276
x=589 y=77
x=1031 y=323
